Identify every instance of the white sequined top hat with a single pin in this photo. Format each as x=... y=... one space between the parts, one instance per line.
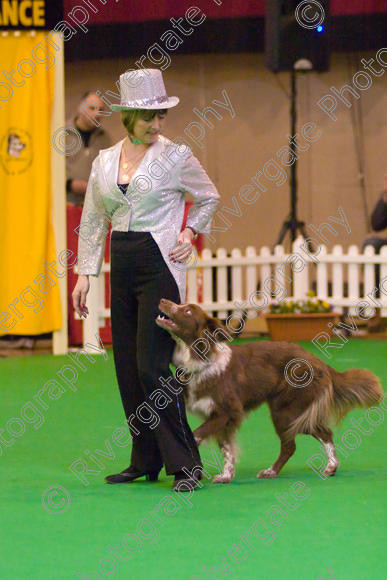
x=143 y=89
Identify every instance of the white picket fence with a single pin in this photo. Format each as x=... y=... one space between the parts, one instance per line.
x=218 y=282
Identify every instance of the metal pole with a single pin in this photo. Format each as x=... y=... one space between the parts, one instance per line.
x=293 y=151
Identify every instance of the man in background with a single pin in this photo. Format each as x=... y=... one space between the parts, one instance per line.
x=94 y=138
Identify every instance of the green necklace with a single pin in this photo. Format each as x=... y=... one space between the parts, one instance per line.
x=136 y=141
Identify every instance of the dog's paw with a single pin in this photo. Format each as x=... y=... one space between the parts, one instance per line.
x=267 y=474
x=198 y=440
x=221 y=478
x=330 y=470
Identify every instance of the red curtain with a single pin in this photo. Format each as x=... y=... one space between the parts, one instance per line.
x=143 y=10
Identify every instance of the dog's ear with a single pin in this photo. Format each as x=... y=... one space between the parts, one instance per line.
x=217 y=330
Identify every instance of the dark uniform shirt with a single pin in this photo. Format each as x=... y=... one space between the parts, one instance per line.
x=78 y=164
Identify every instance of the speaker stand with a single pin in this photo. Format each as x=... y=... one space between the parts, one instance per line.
x=292 y=224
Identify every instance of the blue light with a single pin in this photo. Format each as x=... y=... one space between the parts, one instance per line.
x=320 y=28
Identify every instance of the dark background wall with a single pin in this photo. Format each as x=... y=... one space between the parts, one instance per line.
x=126 y=28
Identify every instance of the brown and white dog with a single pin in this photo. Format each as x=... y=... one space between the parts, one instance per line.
x=224 y=382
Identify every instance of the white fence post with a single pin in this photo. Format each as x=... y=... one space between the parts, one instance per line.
x=353 y=279
x=300 y=274
x=207 y=277
x=236 y=277
x=265 y=273
x=279 y=258
x=221 y=283
x=251 y=276
x=337 y=278
x=322 y=275
x=369 y=271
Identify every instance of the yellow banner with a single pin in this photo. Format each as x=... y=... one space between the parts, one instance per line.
x=27 y=14
x=29 y=290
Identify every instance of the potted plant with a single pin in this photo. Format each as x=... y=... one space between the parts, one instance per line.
x=301 y=319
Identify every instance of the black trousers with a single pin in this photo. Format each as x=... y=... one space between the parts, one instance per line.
x=139 y=278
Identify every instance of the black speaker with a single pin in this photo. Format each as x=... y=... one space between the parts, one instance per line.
x=295 y=30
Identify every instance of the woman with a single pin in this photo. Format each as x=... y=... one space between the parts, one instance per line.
x=139 y=185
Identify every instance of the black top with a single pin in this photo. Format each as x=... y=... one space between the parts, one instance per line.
x=123 y=187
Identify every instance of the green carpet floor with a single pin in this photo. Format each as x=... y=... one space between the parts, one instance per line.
x=336 y=532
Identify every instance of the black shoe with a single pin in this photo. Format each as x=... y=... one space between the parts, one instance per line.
x=185 y=483
x=130 y=474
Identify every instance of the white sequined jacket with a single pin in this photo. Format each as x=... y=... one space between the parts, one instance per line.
x=154 y=203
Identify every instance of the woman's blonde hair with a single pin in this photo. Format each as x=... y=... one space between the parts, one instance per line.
x=130 y=117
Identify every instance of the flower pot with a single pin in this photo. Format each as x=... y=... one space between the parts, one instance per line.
x=292 y=326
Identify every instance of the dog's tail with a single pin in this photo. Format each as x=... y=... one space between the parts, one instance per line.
x=346 y=391
x=354 y=388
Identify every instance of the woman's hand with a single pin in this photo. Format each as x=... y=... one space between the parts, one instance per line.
x=79 y=296
x=183 y=250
